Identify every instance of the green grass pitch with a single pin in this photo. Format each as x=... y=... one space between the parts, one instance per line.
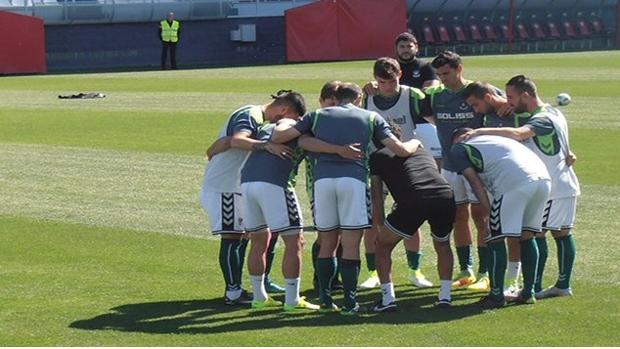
x=103 y=242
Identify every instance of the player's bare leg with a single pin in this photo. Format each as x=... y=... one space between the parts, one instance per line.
x=259 y=241
x=386 y=241
x=291 y=269
x=445 y=263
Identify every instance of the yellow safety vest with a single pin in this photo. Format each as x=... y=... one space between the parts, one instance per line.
x=169 y=33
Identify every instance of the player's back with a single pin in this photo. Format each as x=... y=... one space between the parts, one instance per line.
x=263 y=166
x=408 y=177
x=503 y=163
x=342 y=125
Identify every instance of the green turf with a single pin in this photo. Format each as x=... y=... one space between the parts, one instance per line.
x=102 y=240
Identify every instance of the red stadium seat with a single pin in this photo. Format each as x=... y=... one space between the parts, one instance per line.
x=597 y=26
x=459 y=33
x=553 y=31
x=569 y=30
x=475 y=32
x=489 y=32
x=582 y=28
x=444 y=35
x=428 y=34
x=522 y=32
x=538 y=31
x=506 y=33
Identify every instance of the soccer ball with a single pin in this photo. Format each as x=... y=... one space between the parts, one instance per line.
x=563 y=99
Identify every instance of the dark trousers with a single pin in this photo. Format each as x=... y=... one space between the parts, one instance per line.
x=172 y=47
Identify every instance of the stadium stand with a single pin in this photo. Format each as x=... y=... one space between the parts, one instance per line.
x=465 y=26
x=491 y=26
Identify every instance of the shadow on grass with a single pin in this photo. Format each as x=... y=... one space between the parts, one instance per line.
x=211 y=316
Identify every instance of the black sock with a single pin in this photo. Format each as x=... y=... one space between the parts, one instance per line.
x=229 y=249
x=350 y=270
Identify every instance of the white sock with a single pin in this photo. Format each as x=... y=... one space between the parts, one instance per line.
x=258 y=287
x=444 y=289
x=514 y=268
x=387 y=290
x=291 y=297
x=233 y=294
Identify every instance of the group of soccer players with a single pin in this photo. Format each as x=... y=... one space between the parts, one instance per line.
x=444 y=147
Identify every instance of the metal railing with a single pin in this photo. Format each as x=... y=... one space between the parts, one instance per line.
x=58 y=12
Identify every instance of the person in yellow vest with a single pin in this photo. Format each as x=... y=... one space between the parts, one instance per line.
x=169 y=33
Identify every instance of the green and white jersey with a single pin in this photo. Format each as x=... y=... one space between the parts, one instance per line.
x=223 y=172
x=451 y=112
x=552 y=147
x=402 y=112
x=502 y=163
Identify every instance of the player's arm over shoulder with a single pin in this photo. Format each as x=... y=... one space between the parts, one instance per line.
x=384 y=135
x=288 y=129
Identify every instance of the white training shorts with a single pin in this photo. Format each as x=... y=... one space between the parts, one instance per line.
x=463 y=194
x=427 y=134
x=224 y=212
x=519 y=210
x=341 y=203
x=267 y=205
x=560 y=214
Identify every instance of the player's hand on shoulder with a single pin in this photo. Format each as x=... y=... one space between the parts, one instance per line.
x=351 y=151
x=571 y=158
x=280 y=150
x=505 y=110
x=371 y=88
x=466 y=136
x=286 y=122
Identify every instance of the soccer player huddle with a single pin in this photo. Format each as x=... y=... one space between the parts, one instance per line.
x=447 y=149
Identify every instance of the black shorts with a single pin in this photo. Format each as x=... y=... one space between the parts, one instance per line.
x=436 y=207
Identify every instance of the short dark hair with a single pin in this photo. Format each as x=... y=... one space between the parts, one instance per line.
x=447 y=57
x=459 y=131
x=291 y=99
x=405 y=36
x=396 y=130
x=478 y=89
x=386 y=68
x=522 y=84
x=348 y=92
x=329 y=89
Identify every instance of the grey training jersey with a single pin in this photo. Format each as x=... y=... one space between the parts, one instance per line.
x=451 y=112
x=343 y=125
x=502 y=163
x=552 y=146
x=262 y=166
